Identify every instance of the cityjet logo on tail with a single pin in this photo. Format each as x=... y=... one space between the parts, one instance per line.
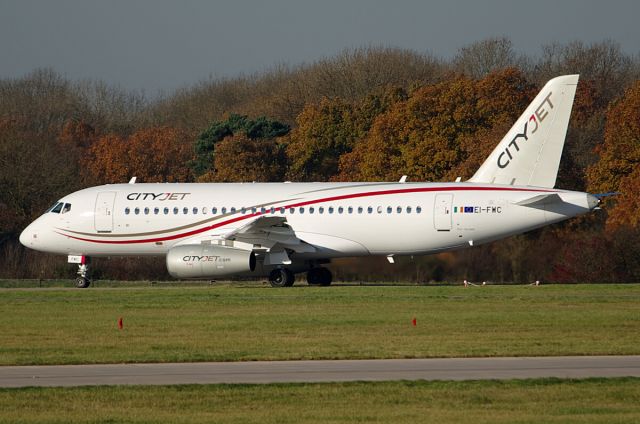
x=157 y=196
x=505 y=157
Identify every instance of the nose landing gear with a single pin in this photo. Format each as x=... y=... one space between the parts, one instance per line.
x=83 y=281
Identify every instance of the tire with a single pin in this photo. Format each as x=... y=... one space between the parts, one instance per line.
x=314 y=276
x=325 y=277
x=281 y=278
x=82 y=282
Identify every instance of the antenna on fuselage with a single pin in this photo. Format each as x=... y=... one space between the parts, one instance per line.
x=132 y=180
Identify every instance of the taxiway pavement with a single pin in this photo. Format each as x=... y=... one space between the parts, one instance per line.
x=321 y=371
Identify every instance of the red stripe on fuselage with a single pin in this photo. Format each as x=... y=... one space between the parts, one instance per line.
x=309 y=202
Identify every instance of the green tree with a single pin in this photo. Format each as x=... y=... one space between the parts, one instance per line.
x=205 y=144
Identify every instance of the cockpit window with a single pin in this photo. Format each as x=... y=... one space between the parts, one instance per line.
x=66 y=208
x=57 y=208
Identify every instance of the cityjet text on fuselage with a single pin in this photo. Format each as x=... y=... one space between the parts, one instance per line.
x=161 y=197
x=505 y=157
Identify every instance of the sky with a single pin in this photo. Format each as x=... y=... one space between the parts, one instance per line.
x=159 y=45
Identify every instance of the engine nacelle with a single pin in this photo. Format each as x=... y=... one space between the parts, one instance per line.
x=206 y=261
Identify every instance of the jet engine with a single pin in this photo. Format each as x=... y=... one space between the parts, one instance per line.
x=207 y=261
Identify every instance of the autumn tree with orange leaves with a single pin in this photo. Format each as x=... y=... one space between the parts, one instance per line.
x=242 y=159
x=618 y=169
x=441 y=131
x=151 y=155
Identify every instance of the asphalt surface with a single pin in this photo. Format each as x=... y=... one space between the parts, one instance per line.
x=321 y=371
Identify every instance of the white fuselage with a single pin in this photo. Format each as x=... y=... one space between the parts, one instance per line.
x=337 y=219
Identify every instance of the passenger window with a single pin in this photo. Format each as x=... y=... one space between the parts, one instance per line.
x=195 y=211
x=291 y=210
x=263 y=210
x=350 y=209
x=233 y=210
x=66 y=208
x=379 y=209
x=166 y=211
x=204 y=210
x=330 y=209
x=399 y=209
x=408 y=209
x=146 y=211
x=418 y=209
x=57 y=208
x=301 y=210
x=214 y=210
x=360 y=209
x=320 y=209
x=389 y=209
x=272 y=210
x=156 y=211
x=223 y=210
x=175 y=211
x=311 y=209
x=126 y=211
x=340 y=209
x=369 y=209
x=254 y=210
x=185 y=210
x=281 y=210
x=136 y=211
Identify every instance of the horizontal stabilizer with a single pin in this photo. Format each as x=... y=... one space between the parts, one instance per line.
x=541 y=199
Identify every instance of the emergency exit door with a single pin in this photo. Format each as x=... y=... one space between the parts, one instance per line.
x=103 y=217
x=442 y=212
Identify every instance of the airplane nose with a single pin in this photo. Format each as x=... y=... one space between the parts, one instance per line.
x=27 y=237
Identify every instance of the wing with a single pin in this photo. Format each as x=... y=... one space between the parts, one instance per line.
x=273 y=235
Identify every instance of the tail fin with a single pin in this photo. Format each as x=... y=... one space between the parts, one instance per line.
x=530 y=152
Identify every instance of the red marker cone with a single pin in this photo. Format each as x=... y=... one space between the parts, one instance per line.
x=120 y=323
x=413 y=321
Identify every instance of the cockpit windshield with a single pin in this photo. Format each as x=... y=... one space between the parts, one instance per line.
x=56 y=208
x=60 y=207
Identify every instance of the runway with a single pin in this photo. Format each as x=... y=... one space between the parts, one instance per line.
x=262 y=372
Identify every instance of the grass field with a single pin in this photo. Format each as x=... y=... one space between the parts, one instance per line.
x=234 y=322
x=525 y=401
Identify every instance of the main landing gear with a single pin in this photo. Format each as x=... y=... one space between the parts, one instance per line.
x=83 y=281
x=319 y=277
x=283 y=277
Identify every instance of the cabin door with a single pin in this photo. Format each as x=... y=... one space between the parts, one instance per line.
x=103 y=217
x=442 y=212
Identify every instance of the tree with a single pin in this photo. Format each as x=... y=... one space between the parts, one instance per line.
x=481 y=58
x=205 y=145
x=432 y=134
x=243 y=159
x=328 y=130
x=33 y=174
x=620 y=153
x=152 y=155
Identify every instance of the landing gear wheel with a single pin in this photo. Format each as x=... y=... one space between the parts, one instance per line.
x=281 y=277
x=319 y=277
x=82 y=282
